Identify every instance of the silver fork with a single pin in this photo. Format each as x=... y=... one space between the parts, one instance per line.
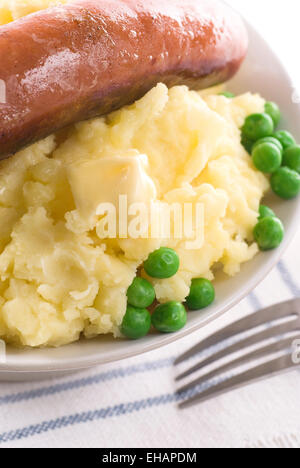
x=280 y=323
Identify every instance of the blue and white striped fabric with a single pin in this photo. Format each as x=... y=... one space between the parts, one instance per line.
x=132 y=404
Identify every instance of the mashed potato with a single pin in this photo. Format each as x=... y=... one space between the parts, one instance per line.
x=11 y=10
x=59 y=277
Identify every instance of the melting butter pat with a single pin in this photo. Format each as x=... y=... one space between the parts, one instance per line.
x=104 y=180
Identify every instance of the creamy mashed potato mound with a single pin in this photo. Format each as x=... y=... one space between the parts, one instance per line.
x=59 y=277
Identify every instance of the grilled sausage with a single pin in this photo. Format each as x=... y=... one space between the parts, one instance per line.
x=89 y=57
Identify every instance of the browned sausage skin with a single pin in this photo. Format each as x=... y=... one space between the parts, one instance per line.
x=89 y=57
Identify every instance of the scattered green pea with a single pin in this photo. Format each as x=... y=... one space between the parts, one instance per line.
x=141 y=293
x=136 y=323
x=228 y=94
x=162 y=263
x=266 y=212
x=286 y=183
x=268 y=140
x=269 y=233
x=267 y=157
x=247 y=144
x=169 y=317
x=291 y=158
x=202 y=294
x=258 y=126
x=273 y=110
x=285 y=138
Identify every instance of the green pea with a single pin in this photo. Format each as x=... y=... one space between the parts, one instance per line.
x=247 y=144
x=267 y=157
x=291 y=158
x=228 y=94
x=266 y=212
x=286 y=183
x=269 y=233
x=169 y=317
x=268 y=140
x=136 y=323
x=285 y=138
x=273 y=110
x=202 y=294
x=141 y=293
x=163 y=263
x=258 y=126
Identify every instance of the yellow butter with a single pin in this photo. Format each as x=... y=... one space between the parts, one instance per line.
x=102 y=181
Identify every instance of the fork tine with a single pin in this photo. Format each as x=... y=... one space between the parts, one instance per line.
x=251 y=321
x=271 y=332
x=269 y=369
x=257 y=354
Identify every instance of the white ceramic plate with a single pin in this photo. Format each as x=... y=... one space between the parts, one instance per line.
x=262 y=72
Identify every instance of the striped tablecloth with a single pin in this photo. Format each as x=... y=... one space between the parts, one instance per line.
x=133 y=404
